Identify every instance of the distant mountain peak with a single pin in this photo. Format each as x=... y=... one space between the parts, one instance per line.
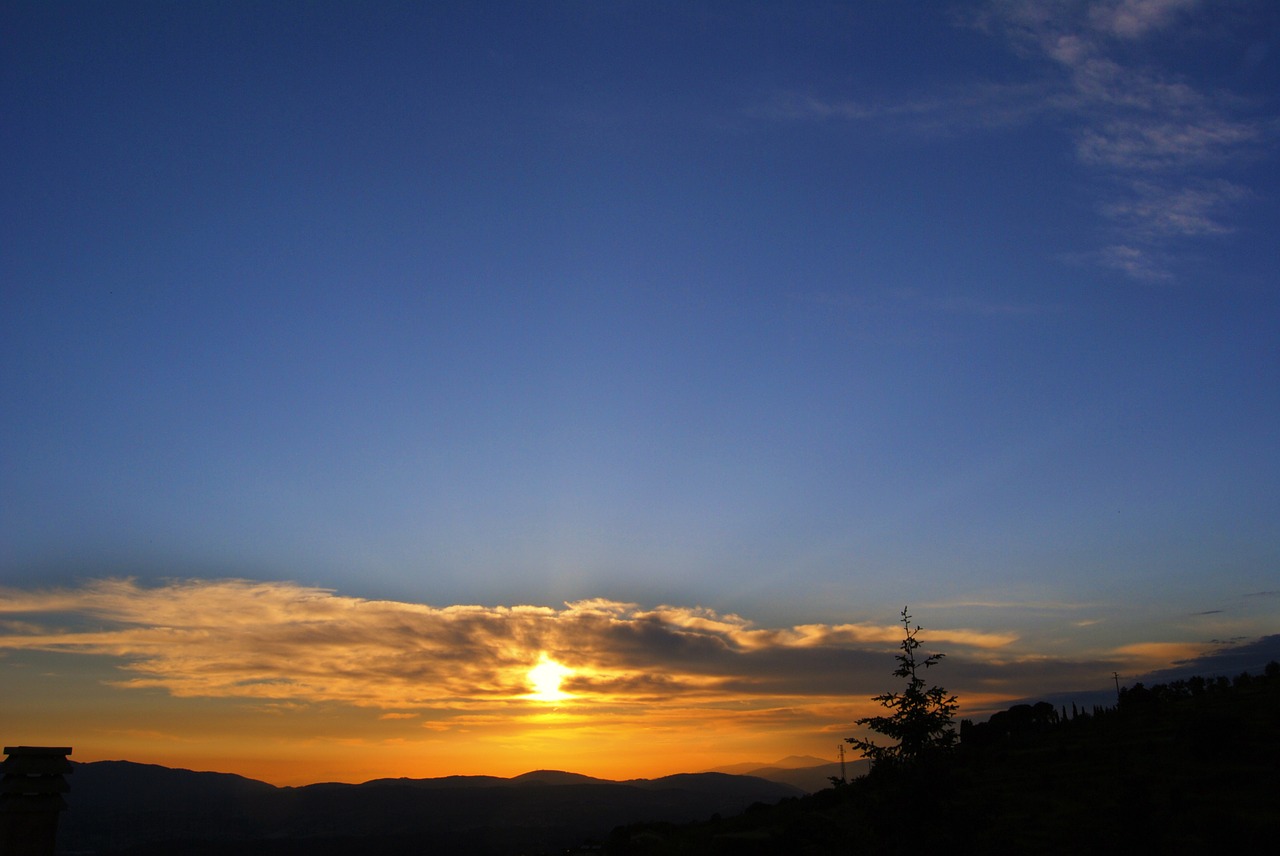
x=556 y=777
x=791 y=762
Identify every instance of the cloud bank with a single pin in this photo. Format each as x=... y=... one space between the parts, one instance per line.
x=286 y=641
x=281 y=642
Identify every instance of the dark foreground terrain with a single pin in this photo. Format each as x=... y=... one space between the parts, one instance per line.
x=1187 y=767
x=118 y=808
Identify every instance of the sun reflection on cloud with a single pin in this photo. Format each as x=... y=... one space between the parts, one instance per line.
x=546 y=677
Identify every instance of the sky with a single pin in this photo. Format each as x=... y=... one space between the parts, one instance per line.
x=357 y=360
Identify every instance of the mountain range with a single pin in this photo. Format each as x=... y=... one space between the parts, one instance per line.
x=120 y=807
x=805 y=772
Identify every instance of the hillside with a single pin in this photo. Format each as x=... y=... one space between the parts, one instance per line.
x=1186 y=767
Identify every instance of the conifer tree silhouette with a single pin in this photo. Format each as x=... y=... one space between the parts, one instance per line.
x=921 y=717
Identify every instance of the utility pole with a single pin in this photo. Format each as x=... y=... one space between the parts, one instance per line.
x=843 y=777
x=1116 y=675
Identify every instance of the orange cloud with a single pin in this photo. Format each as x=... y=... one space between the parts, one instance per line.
x=286 y=642
x=280 y=644
x=1150 y=655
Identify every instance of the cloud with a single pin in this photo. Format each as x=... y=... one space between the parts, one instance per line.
x=283 y=646
x=1158 y=141
x=1132 y=19
x=1073 y=26
x=1151 y=144
x=1155 y=135
x=269 y=640
x=1161 y=652
x=1136 y=262
x=959 y=109
x=278 y=644
x=1155 y=210
x=1019 y=605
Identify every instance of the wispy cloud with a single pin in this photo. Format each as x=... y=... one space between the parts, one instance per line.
x=1157 y=137
x=1135 y=18
x=1136 y=262
x=1019 y=605
x=1151 y=653
x=960 y=109
x=1159 y=144
x=1154 y=210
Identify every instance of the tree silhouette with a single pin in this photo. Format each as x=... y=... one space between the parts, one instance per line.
x=921 y=717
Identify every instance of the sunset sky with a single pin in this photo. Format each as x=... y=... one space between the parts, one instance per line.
x=357 y=360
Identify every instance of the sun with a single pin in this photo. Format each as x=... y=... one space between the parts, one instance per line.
x=546 y=677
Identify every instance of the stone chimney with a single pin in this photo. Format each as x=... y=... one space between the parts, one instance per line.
x=31 y=798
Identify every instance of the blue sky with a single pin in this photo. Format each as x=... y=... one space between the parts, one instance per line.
x=797 y=312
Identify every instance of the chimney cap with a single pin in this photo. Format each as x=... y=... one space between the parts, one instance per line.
x=37 y=750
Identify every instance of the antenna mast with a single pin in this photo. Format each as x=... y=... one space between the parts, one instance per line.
x=843 y=778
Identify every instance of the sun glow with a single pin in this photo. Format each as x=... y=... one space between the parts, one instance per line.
x=546 y=677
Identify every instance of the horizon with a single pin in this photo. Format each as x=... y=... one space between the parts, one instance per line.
x=779 y=764
x=417 y=390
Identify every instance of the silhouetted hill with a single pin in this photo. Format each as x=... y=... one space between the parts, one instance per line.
x=118 y=808
x=123 y=786
x=444 y=782
x=812 y=779
x=791 y=762
x=719 y=786
x=1186 y=767
x=805 y=772
x=556 y=777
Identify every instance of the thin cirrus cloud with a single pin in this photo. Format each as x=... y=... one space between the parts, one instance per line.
x=1159 y=142
x=958 y=109
x=1158 y=138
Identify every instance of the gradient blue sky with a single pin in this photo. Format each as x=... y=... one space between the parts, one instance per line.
x=797 y=312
